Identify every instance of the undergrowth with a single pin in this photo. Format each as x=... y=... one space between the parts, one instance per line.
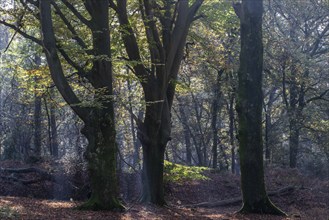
x=8 y=213
x=179 y=173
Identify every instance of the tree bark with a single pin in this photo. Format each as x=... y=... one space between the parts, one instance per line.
x=37 y=125
x=53 y=128
x=99 y=122
x=37 y=114
x=231 y=133
x=249 y=108
x=214 y=111
x=268 y=125
x=101 y=157
x=154 y=139
x=157 y=79
x=187 y=135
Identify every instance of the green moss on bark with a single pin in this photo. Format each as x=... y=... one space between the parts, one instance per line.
x=95 y=204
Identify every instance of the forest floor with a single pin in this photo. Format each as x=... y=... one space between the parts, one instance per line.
x=309 y=200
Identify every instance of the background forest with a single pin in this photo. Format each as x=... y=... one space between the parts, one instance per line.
x=38 y=126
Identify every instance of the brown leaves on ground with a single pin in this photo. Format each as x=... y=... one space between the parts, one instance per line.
x=309 y=201
x=28 y=208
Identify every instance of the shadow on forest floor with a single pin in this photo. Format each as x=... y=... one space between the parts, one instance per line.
x=309 y=200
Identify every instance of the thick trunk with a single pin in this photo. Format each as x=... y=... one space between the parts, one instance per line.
x=99 y=121
x=101 y=157
x=153 y=164
x=157 y=80
x=249 y=108
x=154 y=138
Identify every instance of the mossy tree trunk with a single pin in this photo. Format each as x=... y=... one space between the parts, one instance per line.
x=249 y=108
x=98 y=118
x=101 y=157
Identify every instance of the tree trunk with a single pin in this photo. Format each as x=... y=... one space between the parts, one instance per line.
x=249 y=108
x=154 y=139
x=153 y=165
x=157 y=79
x=53 y=128
x=293 y=142
x=37 y=113
x=268 y=125
x=136 y=142
x=37 y=125
x=101 y=157
x=231 y=133
x=99 y=121
x=187 y=135
x=214 y=111
x=293 y=117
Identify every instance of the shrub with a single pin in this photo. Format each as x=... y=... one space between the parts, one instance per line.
x=179 y=173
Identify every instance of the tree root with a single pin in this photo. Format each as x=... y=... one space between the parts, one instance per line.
x=95 y=204
x=238 y=200
x=264 y=206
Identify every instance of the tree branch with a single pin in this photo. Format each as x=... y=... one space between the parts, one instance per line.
x=69 y=26
x=55 y=66
x=18 y=30
x=320 y=97
x=76 y=13
x=130 y=42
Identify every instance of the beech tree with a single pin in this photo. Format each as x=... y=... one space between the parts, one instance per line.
x=249 y=108
x=99 y=126
x=93 y=67
x=166 y=25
